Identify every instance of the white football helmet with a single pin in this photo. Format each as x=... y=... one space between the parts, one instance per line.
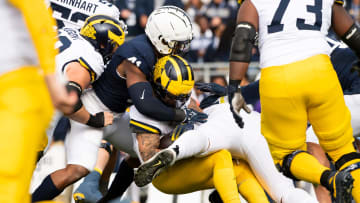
x=170 y=30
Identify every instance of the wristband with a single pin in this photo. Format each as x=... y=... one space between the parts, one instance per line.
x=96 y=121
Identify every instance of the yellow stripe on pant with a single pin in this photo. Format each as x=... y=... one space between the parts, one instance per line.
x=25 y=112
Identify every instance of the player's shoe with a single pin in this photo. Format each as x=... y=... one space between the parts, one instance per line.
x=341 y=183
x=88 y=191
x=152 y=167
x=214 y=197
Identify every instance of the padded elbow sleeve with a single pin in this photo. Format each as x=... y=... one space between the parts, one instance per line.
x=242 y=42
x=141 y=94
x=352 y=39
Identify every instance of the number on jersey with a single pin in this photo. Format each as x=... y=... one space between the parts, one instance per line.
x=276 y=25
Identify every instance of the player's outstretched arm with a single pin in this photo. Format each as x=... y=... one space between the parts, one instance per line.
x=345 y=27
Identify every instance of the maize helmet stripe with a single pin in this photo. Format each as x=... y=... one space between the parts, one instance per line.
x=190 y=72
x=177 y=68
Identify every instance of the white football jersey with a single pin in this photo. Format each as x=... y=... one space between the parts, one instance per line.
x=73 y=13
x=290 y=31
x=15 y=53
x=74 y=48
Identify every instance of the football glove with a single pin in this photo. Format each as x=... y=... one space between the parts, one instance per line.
x=236 y=100
x=212 y=88
x=180 y=129
x=194 y=116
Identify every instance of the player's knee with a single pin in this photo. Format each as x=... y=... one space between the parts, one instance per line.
x=286 y=164
x=224 y=157
x=75 y=172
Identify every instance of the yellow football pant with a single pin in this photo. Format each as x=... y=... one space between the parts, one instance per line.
x=293 y=94
x=195 y=174
x=25 y=111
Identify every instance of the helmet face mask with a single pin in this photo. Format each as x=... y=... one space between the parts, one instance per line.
x=170 y=30
x=104 y=33
x=173 y=80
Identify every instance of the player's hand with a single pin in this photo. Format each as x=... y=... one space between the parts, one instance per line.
x=194 y=116
x=212 y=88
x=108 y=118
x=61 y=99
x=236 y=100
x=180 y=129
x=209 y=101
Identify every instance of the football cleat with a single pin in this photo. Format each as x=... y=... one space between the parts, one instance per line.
x=152 y=167
x=88 y=191
x=341 y=183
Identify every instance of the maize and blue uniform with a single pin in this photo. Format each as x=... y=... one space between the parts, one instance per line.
x=221 y=132
x=25 y=105
x=298 y=84
x=74 y=13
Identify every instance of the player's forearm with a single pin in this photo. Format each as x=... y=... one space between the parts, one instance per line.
x=238 y=70
x=81 y=116
x=41 y=27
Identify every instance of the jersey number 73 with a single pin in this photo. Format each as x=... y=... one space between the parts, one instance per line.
x=276 y=25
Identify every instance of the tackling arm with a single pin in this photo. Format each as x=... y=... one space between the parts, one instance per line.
x=345 y=27
x=141 y=93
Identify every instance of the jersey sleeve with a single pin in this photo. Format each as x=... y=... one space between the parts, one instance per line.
x=41 y=27
x=144 y=124
x=93 y=63
x=129 y=52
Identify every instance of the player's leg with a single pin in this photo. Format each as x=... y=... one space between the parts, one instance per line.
x=321 y=192
x=248 y=185
x=201 y=173
x=89 y=188
x=25 y=112
x=81 y=144
x=330 y=119
x=284 y=100
x=353 y=103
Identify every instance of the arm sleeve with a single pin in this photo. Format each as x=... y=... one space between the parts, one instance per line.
x=250 y=92
x=141 y=94
x=41 y=27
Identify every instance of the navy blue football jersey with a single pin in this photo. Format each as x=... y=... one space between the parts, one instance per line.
x=343 y=59
x=110 y=87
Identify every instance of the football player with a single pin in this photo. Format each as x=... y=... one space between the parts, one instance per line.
x=126 y=78
x=80 y=62
x=173 y=81
x=298 y=84
x=74 y=13
x=221 y=131
x=28 y=85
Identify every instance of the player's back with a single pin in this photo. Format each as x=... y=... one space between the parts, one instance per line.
x=74 y=48
x=290 y=31
x=72 y=13
x=15 y=40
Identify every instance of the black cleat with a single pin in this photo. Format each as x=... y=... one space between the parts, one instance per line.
x=343 y=181
x=152 y=167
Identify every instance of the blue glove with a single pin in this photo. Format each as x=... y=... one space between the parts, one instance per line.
x=209 y=101
x=194 y=116
x=180 y=129
x=212 y=88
